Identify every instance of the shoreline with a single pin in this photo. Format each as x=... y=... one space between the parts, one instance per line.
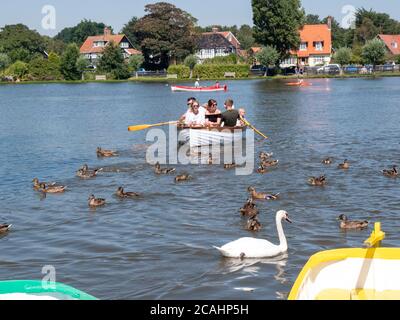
x=168 y=80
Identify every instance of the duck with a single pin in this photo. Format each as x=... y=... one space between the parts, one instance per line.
x=265 y=155
x=122 y=194
x=347 y=224
x=317 y=181
x=106 y=153
x=269 y=163
x=249 y=209
x=52 y=189
x=159 y=170
x=261 y=196
x=258 y=248
x=93 y=202
x=229 y=166
x=5 y=228
x=391 y=172
x=183 y=177
x=253 y=225
x=344 y=165
x=37 y=183
x=210 y=159
x=327 y=161
x=261 y=169
x=85 y=173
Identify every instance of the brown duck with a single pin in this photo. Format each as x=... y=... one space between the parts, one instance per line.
x=261 y=196
x=37 y=183
x=327 y=161
x=261 y=169
x=265 y=155
x=317 y=181
x=229 y=166
x=5 y=228
x=183 y=177
x=253 y=225
x=345 y=165
x=85 y=173
x=210 y=159
x=269 y=163
x=347 y=224
x=93 y=202
x=249 y=209
x=122 y=194
x=159 y=170
x=52 y=189
x=391 y=172
x=106 y=153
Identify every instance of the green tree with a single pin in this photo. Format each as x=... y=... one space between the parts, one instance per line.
x=245 y=37
x=166 y=33
x=190 y=62
x=312 y=19
x=18 y=70
x=80 y=32
x=4 y=61
x=21 y=43
x=112 y=62
x=129 y=31
x=268 y=56
x=82 y=64
x=68 y=63
x=340 y=37
x=135 y=62
x=277 y=23
x=54 y=45
x=374 y=52
x=343 y=56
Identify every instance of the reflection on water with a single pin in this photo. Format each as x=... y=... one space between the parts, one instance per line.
x=160 y=246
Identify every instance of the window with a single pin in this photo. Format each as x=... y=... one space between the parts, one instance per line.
x=303 y=46
x=319 y=59
x=394 y=44
x=124 y=45
x=99 y=43
x=318 y=45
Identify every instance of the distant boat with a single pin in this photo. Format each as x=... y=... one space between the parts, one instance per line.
x=199 y=89
x=299 y=84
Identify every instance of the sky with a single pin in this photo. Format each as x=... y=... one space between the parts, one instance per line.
x=208 y=12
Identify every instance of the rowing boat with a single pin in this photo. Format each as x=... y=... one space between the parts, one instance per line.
x=201 y=136
x=299 y=84
x=199 y=89
x=351 y=274
x=37 y=290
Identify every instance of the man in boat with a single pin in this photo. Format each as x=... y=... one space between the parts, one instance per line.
x=197 y=83
x=213 y=114
x=217 y=85
x=231 y=116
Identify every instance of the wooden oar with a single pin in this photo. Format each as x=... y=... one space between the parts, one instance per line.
x=255 y=129
x=147 y=126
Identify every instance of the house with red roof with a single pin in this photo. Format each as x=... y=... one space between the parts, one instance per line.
x=392 y=42
x=94 y=46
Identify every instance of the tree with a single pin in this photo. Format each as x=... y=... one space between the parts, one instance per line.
x=166 y=33
x=312 y=19
x=21 y=43
x=277 y=23
x=18 y=69
x=374 y=52
x=129 y=31
x=343 y=56
x=340 y=37
x=82 y=64
x=245 y=37
x=366 y=31
x=135 y=62
x=112 y=62
x=268 y=56
x=80 y=32
x=190 y=62
x=68 y=63
x=4 y=61
x=54 y=45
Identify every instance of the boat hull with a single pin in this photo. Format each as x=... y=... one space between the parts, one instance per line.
x=197 y=137
x=201 y=89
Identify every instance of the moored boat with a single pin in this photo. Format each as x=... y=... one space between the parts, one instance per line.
x=205 y=136
x=351 y=274
x=199 y=89
x=37 y=290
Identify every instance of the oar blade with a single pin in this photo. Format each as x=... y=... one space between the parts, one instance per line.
x=139 y=127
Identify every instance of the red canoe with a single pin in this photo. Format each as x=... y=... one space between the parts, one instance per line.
x=299 y=84
x=200 y=89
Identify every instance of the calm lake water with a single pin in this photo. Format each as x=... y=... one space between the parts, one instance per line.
x=160 y=246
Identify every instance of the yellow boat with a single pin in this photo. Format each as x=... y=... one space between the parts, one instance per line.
x=351 y=274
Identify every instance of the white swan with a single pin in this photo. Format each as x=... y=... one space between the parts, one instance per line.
x=257 y=248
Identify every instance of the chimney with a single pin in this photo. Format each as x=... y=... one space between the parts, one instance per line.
x=215 y=29
x=329 y=22
x=107 y=31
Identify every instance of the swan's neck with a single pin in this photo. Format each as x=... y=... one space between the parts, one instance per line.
x=281 y=234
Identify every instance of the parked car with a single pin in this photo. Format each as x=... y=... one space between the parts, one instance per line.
x=388 y=67
x=330 y=69
x=260 y=70
x=289 y=70
x=351 y=69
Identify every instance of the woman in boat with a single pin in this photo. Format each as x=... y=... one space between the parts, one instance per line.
x=213 y=114
x=196 y=116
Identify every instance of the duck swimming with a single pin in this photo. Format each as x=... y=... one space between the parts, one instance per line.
x=317 y=181
x=93 y=202
x=261 y=169
x=253 y=225
x=183 y=177
x=85 y=173
x=210 y=159
x=106 y=153
x=121 y=194
x=269 y=163
x=52 y=189
x=159 y=170
x=5 y=228
x=347 y=224
x=327 y=161
x=344 y=165
x=391 y=172
x=249 y=209
x=265 y=155
x=261 y=196
x=37 y=183
x=229 y=166
x=258 y=248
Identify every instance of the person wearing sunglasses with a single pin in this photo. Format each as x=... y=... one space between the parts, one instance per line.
x=213 y=114
x=196 y=116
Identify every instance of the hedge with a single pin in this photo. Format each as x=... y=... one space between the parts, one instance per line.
x=182 y=71
x=214 y=71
